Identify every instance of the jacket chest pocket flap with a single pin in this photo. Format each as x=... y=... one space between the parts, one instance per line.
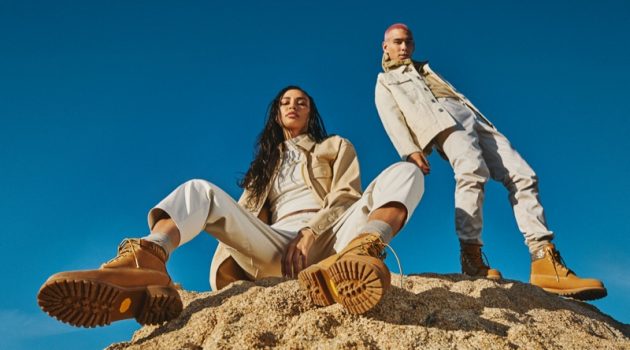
x=404 y=85
x=322 y=173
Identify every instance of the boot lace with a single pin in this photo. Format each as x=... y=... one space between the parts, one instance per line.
x=400 y=270
x=476 y=258
x=485 y=262
x=558 y=263
x=125 y=248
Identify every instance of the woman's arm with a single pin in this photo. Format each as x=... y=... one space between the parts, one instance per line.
x=345 y=188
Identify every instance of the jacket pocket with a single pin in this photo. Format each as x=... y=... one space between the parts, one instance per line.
x=322 y=173
x=398 y=81
x=404 y=86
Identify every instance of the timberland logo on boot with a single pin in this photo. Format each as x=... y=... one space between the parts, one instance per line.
x=332 y=288
x=124 y=306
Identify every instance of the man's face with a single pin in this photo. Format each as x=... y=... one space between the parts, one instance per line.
x=399 y=44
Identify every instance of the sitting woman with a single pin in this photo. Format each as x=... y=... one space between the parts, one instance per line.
x=301 y=215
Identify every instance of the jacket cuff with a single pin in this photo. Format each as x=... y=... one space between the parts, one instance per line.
x=324 y=220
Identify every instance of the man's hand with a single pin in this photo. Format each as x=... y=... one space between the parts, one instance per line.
x=421 y=161
x=295 y=256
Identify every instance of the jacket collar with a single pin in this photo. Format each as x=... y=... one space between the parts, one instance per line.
x=303 y=141
x=307 y=143
x=389 y=64
x=421 y=65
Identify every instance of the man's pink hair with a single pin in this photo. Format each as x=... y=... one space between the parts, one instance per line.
x=397 y=26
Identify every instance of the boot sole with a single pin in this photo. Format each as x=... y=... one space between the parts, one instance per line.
x=492 y=277
x=579 y=293
x=89 y=303
x=357 y=285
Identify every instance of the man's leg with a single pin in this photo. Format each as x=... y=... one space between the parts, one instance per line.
x=548 y=271
x=508 y=167
x=356 y=276
x=461 y=147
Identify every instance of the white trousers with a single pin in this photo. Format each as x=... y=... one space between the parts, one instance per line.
x=257 y=247
x=477 y=151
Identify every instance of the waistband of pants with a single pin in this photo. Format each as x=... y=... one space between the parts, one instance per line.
x=297 y=212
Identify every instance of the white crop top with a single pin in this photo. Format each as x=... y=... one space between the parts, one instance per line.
x=288 y=192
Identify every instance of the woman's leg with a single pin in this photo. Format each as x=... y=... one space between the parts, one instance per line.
x=198 y=205
x=390 y=199
x=356 y=276
x=135 y=284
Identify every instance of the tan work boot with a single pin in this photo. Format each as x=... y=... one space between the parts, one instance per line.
x=134 y=284
x=551 y=274
x=473 y=264
x=356 y=277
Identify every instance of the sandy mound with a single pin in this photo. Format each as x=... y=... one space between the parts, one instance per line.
x=431 y=312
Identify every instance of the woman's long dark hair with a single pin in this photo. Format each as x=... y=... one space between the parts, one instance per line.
x=267 y=155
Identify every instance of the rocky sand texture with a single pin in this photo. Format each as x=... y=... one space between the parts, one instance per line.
x=431 y=312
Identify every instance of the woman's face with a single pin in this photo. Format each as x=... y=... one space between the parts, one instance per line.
x=295 y=108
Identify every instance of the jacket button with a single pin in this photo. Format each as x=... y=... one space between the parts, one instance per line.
x=433 y=101
x=425 y=89
x=441 y=110
x=321 y=226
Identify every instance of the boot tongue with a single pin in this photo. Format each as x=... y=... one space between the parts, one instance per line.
x=375 y=247
x=549 y=249
x=473 y=253
x=154 y=248
x=125 y=248
x=558 y=261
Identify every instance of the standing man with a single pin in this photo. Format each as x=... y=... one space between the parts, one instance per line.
x=420 y=110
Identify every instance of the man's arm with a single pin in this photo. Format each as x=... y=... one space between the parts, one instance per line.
x=396 y=127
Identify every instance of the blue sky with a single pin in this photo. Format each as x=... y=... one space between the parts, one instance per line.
x=106 y=106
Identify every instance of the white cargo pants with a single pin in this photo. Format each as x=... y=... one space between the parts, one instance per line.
x=477 y=151
x=198 y=205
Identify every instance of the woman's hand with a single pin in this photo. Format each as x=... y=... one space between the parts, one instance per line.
x=421 y=161
x=295 y=256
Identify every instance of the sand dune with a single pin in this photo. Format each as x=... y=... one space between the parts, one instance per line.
x=431 y=312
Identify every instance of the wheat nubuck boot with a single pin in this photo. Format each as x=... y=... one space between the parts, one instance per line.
x=134 y=284
x=551 y=274
x=473 y=264
x=356 y=277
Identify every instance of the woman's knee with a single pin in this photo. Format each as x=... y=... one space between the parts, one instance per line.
x=407 y=178
x=407 y=171
x=198 y=185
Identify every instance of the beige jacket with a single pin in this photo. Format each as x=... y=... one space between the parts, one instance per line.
x=411 y=115
x=331 y=171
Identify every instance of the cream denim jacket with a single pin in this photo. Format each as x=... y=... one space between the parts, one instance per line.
x=331 y=171
x=410 y=113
